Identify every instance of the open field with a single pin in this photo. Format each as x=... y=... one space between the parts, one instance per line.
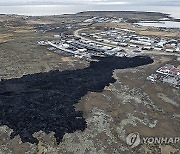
x=142 y=30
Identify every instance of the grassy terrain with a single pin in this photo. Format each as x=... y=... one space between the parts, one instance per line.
x=130 y=104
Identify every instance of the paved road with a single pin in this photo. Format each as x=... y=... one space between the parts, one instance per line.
x=76 y=33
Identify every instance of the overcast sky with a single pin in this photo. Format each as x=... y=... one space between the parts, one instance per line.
x=113 y=2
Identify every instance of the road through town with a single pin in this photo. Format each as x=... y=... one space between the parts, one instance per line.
x=128 y=51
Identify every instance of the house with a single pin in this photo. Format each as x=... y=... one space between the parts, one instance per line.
x=99 y=40
x=133 y=46
x=170 y=46
x=82 y=50
x=114 y=43
x=106 y=41
x=152 y=77
x=140 y=42
x=161 y=44
x=172 y=42
x=177 y=49
x=88 y=20
x=170 y=50
x=147 y=48
x=57 y=36
x=158 y=49
x=42 y=43
x=83 y=34
x=169 y=69
x=123 y=44
x=117 y=49
x=165 y=69
x=175 y=71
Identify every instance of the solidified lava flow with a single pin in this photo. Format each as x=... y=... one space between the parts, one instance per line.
x=44 y=101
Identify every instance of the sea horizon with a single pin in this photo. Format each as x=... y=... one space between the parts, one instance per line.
x=48 y=10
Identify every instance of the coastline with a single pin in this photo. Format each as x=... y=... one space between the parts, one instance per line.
x=166 y=15
x=38 y=10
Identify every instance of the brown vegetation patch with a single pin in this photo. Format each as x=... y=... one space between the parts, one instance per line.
x=158 y=33
x=23 y=31
x=67 y=59
x=39 y=22
x=4 y=37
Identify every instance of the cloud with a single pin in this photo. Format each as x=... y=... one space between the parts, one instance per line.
x=103 y=2
x=88 y=2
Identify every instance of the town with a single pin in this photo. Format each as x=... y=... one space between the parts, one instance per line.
x=90 y=41
x=117 y=42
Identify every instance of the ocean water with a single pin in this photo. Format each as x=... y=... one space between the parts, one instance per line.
x=40 y=10
x=167 y=24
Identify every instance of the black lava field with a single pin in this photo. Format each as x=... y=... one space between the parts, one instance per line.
x=45 y=101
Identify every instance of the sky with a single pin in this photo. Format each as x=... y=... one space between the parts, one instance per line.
x=104 y=2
